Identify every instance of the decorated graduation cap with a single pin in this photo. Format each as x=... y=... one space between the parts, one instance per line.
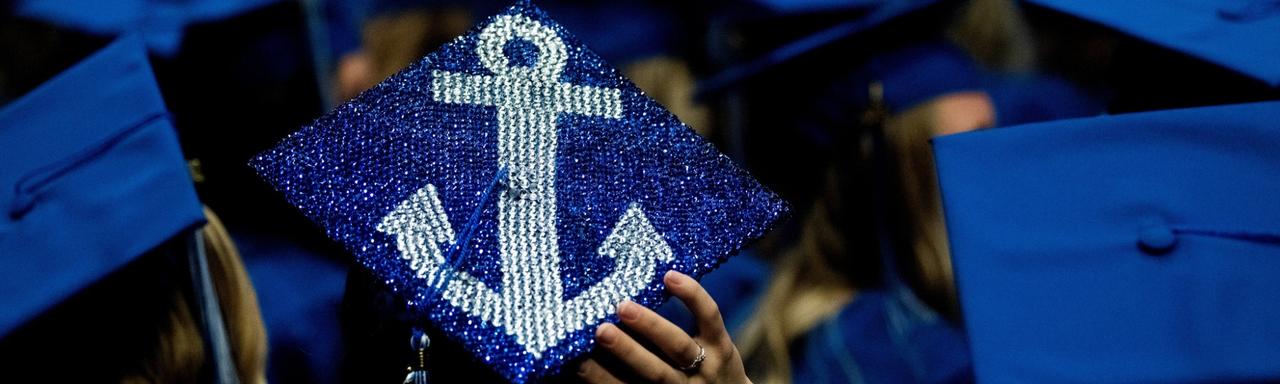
x=512 y=188
x=1240 y=35
x=1129 y=248
x=160 y=23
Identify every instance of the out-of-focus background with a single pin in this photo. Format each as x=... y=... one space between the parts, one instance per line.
x=832 y=104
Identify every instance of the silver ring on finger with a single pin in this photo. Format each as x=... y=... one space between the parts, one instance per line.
x=702 y=355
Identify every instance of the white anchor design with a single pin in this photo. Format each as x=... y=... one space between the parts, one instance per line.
x=528 y=100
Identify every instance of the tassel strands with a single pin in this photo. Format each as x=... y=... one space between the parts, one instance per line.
x=418 y=372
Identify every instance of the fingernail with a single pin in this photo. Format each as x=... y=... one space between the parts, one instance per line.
x=607 y=333
x=582 y=368
x=627 y=311
x=672 y=278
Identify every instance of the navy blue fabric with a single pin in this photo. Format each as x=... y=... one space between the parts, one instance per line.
x=377 y=7
x=356 y=164
x=918 y=73
x=344 y=21
x=91 y=178
x=1128 y=248
x=1240 y=35
x=879 y=13
x=882 y=336
x=161 y=23
x=1032 y=98
x=299 y=291
x=921 y=72
x=811 y=6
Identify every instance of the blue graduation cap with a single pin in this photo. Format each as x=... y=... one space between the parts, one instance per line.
x=915 y=71
x=161 y=23
x=813 y=6
x=512 y=188
x=1240 y=35
x=875 y=14
x=92 y=179
x=919 y=72
x=1031 y=98
x=1127 y=248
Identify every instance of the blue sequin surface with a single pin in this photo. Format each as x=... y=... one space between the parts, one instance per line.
x=512 y=187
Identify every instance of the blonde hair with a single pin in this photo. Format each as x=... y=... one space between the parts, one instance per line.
x=396 y=39
x=179 y=353
x=804 y=292
x=811 y=284
x=995 y=34
x=908 y=134
x=670 y=81
x=808 y=286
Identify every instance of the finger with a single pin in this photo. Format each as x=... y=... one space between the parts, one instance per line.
x=642 y=362
x=592 y=372
x=705 y=310
x=678 y=346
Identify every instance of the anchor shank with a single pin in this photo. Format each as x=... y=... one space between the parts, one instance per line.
x=527 y=238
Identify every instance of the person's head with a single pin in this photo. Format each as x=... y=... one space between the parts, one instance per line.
x=97 y=244
x=835 y=253
x=140 y=324
x=881 y=187
x=178 y=350
x=918 y=203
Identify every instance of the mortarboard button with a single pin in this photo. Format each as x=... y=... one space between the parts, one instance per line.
x=1051 y=294
x=1157 y=240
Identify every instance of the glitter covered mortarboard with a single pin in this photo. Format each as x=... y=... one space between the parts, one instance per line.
x=513 y=187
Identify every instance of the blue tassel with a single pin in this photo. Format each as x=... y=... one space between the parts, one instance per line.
x=418 y=373
x=419 y=341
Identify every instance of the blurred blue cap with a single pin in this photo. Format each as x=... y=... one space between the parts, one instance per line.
x=92 y=178
x=874 y=14
x=1024 y=98
x=1127 y=248
x=920 y=72
x=1241 y=35
x=814 y=6
x=160 y=22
